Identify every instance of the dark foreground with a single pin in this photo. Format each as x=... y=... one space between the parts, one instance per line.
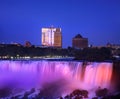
x=6 y=93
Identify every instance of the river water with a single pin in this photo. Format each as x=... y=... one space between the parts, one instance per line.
x=61 y=77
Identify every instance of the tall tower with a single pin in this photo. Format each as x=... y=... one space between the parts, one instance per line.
x=79 y=42
x=52 y=37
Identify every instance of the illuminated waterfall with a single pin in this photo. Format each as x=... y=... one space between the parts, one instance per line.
x=31 y=73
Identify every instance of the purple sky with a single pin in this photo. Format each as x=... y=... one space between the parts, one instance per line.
x=97 y=20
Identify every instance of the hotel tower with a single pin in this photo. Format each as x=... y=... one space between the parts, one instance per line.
x=79 y=42
x=52 y=37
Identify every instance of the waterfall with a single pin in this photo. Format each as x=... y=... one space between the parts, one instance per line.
x=73 y=74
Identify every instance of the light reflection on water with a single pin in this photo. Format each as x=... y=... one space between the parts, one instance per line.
x=59 y=76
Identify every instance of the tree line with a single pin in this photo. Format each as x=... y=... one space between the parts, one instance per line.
x=91 y=54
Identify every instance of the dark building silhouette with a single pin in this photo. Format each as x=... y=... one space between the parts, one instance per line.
x=79 y=42
x=27 y=44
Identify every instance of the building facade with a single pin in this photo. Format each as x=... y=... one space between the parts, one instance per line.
x=52 y=37
x=79 y=42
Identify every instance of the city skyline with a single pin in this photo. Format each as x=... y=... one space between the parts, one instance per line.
x=22 y=20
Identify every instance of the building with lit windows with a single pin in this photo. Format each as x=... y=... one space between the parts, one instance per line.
x=52 y=37
x=79 y=42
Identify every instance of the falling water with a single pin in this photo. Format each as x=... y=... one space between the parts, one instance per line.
x=68 y=75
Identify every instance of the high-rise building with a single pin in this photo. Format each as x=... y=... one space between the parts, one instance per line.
x=79 y=42
x=52 y=37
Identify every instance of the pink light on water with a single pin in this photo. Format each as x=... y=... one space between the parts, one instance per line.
x=70 y=74
x=98 y=75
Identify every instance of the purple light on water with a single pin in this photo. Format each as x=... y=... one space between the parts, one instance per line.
x=62 y=76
